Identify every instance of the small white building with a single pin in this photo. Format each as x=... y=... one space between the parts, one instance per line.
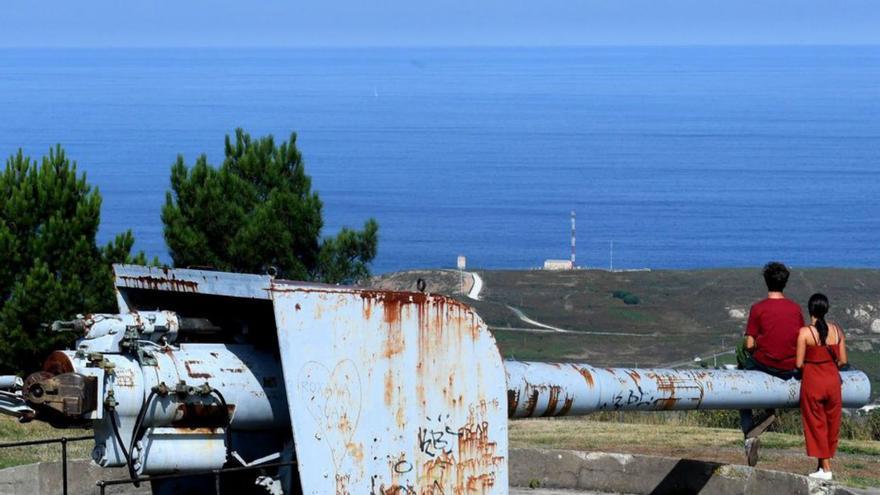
x=557 y=265
x=865 y=410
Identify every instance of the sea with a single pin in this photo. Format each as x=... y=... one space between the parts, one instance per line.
x=679 y=157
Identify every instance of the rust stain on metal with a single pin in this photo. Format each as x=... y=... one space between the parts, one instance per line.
x=392 y=310
x=531 y=403
x=393 y=298
x=396 y=489
x=469 y=469
x=674 y=388
x=552 y=400
x=634 y=375
x=389 y=387
x=436 y=474
x=394 y=343
x=512 y=402
x=356 y=451
x=195 y=374
x=477 y=459
x=368 y=309
x=58 y=363
x=433 y=339
x=566 y=406
x=400 y=417
x=158 y=283
x=200 y=430
x=588 y=377
x=665 y=384
x=397 y=466
x=196 y=415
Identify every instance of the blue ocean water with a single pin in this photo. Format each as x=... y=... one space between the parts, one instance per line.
x=684 y=157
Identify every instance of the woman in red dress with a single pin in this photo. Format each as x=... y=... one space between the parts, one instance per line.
x=820 y=352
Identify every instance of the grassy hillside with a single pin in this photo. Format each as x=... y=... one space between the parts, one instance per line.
x=679 y=314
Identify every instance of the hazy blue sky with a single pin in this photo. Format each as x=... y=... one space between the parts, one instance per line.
x=436 y=22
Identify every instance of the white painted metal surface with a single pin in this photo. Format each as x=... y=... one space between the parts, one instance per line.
x=249 y=380
x=391 y=392
x=167 y=450
x=192 y=281
x=555 y=389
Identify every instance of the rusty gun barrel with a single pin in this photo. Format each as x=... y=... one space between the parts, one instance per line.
x=554 y=389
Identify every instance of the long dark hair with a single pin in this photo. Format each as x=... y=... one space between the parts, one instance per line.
x=818 y=307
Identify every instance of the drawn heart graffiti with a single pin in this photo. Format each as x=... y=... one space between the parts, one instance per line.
x=333 y=399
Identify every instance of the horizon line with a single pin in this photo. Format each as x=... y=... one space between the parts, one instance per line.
x=434 y=46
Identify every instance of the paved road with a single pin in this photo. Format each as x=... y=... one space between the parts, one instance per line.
x=476 y=287
x=707 y=358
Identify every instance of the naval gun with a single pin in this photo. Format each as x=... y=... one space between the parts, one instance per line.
x=336 y=389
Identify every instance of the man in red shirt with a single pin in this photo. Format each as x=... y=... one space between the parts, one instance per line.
x=771 y=344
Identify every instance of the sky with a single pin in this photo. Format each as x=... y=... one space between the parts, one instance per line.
x=321 y=23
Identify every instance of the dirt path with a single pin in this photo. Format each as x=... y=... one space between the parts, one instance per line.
x=522 y=316
x=544 y=328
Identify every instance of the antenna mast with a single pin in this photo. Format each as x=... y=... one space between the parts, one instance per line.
x=611 y=259
x=572 y=239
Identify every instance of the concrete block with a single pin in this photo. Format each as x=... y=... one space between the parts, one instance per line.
x=44 y=478
x=641 y=474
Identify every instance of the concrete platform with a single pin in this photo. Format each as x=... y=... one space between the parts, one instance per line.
x=541 y=491
x=550 y=472
x=639 y=474
x=44 y=478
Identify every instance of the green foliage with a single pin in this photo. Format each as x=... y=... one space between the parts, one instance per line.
x=50 y=265
x=873 y=424
x=715 y=418
x=257 y=211
x=626 y=297
x=789 y=421
x=631 y=299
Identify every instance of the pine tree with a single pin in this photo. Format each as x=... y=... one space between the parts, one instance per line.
x=50 y=265
x=257 y=211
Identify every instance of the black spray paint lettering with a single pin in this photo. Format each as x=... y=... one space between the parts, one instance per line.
x=433 y=439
